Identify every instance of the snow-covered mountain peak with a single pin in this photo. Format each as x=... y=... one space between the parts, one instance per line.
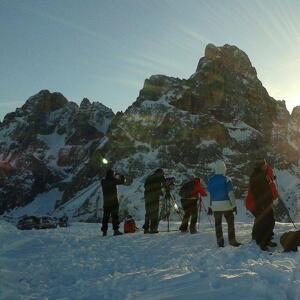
x=229 y=57
x=48 y=140
x=182 y=125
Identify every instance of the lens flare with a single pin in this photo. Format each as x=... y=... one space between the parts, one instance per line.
x=104 y=161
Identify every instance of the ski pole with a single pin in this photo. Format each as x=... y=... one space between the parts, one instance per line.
x=199 y=212
x=287 y=213
x=285 y=208
x=176 y=207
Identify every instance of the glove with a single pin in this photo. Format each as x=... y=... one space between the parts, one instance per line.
x=235 y=210
x=210 y=212
x=275 y=202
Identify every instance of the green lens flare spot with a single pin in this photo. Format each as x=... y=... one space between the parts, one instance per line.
x=104 y=161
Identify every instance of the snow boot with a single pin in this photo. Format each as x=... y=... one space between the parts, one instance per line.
x=220 y=243
x=153 y=231
x=235 y=244
x=183 y=228
x=117 y=232
x=146 y=231
x=272 y=244
x=104 y=233
x=263 y=247
x=193 y=230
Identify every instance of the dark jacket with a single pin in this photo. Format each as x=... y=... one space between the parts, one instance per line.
x=153 y=185
x=109 y=189
x=260 y=189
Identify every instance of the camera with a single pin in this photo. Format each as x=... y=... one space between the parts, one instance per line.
x=120 y=177
x=169 y=182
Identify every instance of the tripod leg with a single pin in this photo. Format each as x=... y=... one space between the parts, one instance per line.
x=199 y=212
x=168 y=214
x=176 y=210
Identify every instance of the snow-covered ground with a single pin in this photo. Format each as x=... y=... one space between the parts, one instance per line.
x=78 y=263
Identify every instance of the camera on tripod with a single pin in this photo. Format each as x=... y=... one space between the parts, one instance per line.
x=169 y=183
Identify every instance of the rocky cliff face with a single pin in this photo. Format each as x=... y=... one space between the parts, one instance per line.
x=49 y=141
x=183 y=125
x=221 y=112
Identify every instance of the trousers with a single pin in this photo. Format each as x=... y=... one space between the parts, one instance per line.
x=112 y=211
x=229 y=217
x=190 y=208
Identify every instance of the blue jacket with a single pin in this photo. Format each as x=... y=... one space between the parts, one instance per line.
x=221 y=193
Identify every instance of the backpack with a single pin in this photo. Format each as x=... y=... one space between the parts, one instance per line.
x=129 y=225
x=290 y=241
x=187 y=189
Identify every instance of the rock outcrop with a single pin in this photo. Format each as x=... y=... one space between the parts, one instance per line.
x=49 y=141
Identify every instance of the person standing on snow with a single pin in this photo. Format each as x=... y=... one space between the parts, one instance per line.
x=153 y=190
x=189 y=203
x=263 y=195
x=222 y=202
x=110 y=200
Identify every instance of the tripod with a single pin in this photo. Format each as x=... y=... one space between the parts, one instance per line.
x=171 y=202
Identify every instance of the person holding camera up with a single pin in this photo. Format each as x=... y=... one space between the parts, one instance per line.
x=153 y=190
x=110 y=200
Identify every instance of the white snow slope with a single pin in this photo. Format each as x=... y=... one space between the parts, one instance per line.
x=78 y=263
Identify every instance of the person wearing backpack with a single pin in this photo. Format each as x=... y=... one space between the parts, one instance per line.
x=110 y=200
x=222 y=202
x=262 y=190
x=153 y=190
x=189 y=194
x=250 y=201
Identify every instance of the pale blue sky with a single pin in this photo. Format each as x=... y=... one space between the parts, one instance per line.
x=104 y=50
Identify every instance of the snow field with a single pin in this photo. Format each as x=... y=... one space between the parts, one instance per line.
x=78 y=263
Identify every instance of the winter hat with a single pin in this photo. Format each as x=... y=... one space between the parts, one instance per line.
x=159 y=171
x=220 y=167
x=110 y=173
x=260 y=162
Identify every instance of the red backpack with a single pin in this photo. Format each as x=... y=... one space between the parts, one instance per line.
x=129 y=225
x=249 y=202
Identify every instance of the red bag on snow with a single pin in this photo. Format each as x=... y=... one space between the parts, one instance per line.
x=129 y=225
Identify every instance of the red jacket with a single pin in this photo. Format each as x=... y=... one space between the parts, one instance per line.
x=198 y=189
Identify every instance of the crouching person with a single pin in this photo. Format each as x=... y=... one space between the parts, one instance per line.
x=110 y=200
x=222 y=202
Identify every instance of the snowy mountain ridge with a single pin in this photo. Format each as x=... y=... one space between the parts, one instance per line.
x=182 y=125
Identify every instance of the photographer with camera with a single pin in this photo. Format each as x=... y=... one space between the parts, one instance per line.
x=189 y=194
x=153 y=190
x=110 y=200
